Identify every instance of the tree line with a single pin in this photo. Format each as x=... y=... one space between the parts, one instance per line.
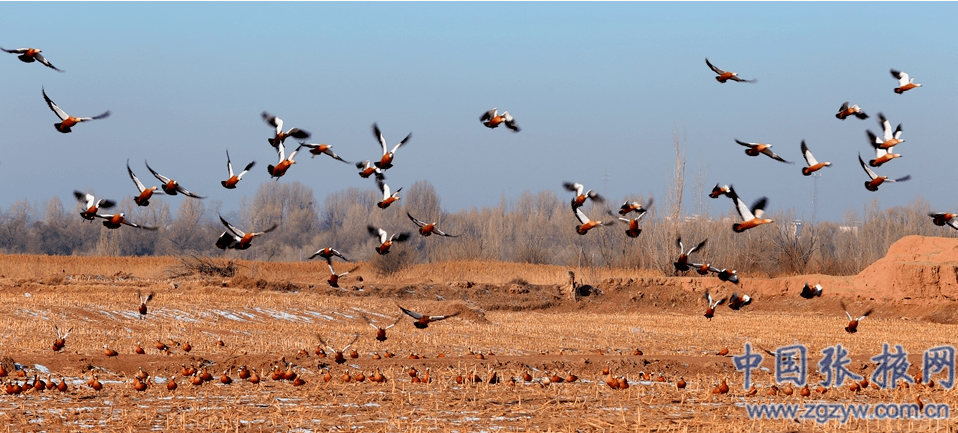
x=535 y=228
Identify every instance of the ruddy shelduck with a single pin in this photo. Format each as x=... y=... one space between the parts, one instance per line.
x=850 y=110
x=240 y=239
x=280 y=136
x=388 y=196
x=634 y=206
x=385 y=240
x=905 y=83
x=491 y=119
x=719 y=191
x=333 y=279
x=339 y=358
x=143 y=309
x=386 y=161
x=91 y=205
x=231 y=182
x=876 y=180
x=813 y=164
x=284 y=163
x=943 y=218
x=889 y=137
x=61 y=340
x=633 y=230
x=422 y=320
x=809 y=292
x=882 y=154
x=427 y=229
x=381 y=330
x=725 y=274
x=143 y=198
x=319 y=149
x=853 y=322
x=109 y=352
x=710 y=311
x=170 y=186
x=750 y=217
x=366 y=169
x=67 y=121
x=114 y=221
x=702 y=268
x=682 y=263
x=754 y=149
x=736 y=302
x=585 y=224
x=724 y=76
x=581 y=194
x=327 y=253
x=29 y=55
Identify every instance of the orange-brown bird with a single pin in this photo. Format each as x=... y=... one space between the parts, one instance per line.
x=143 y=198
x=491 y=119
x=30 y=55
x=850 y=110
x=280 y=136
x=905 y=83
x=385 y=240
x=67 y=121
x=853 y=322
x=91 y=205
x=813 y=164
x=423 y=321
x=230 y=183
x=710 y=311
x=386 y=161
x=380 y=330
x=237 y=239
x=750 y=217
x=170 y=186
x=724 y=76
x=143 y=301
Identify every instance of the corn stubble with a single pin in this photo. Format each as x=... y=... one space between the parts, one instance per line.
x=264 y=328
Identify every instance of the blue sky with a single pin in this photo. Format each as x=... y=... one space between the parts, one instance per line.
x=598 y=89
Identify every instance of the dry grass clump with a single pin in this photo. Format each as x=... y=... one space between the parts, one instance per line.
x=202 y=266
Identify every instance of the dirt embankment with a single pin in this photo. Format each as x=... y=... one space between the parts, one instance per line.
x=918 y=278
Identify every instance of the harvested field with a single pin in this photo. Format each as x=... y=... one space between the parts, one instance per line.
x=512 y=320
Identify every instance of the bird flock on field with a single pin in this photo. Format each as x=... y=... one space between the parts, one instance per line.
x=630 y=213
